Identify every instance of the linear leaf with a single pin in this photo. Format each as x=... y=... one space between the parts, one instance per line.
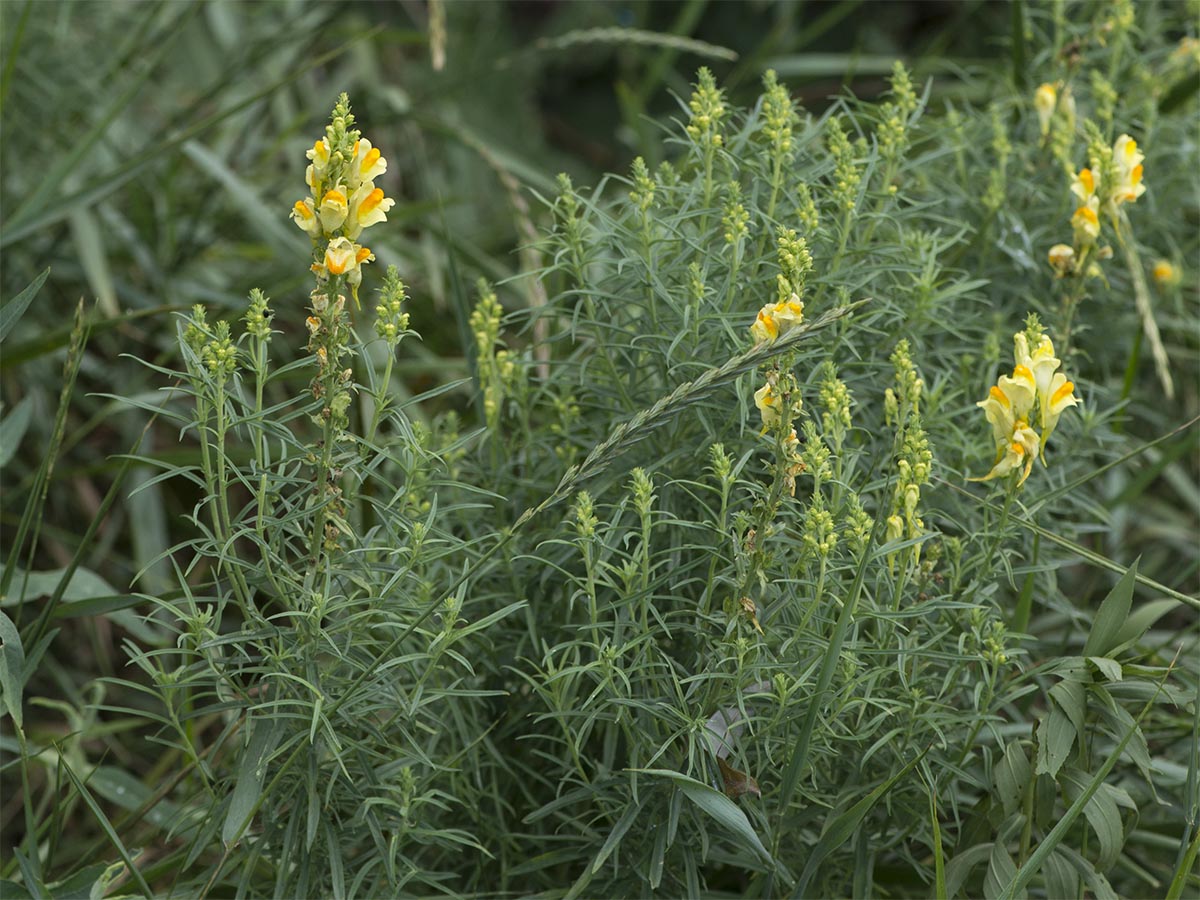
x=251 y=775
x=1112 y=615
x=717 y=805
x=15 y=308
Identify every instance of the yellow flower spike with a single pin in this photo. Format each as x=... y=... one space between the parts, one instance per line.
x=1045 y=98
x=305 y=217
x=366 y=163
x=368 y=206
x=340 y=256
x=334 y=210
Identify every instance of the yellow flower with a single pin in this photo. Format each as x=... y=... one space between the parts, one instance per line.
x=1054 y=392
x=315 y=173
x=368 y=207
x=1007 y=408
x=366 y=164
x=1083 y=185
x=1010 y=403
x=333 y=210
x=776 y=319
x=341 y=256
x=1019 y=453
x=764 y=330
x=362 y=256
x=1044 y=101
x=1062 y=258
x=305 y=216
x=1060 y=396
x=767 y=402
x=1007 y=403
x=788 y=314
x=1165 y=275
x=1086 y=222
x=1128 y=160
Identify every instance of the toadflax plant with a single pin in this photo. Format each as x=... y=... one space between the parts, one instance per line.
x=319 y=681
x=707 y=577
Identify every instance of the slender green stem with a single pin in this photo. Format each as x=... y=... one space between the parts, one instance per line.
x=381 y=395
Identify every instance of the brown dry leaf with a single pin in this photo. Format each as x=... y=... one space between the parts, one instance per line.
x=737 y=783
x=751 y=610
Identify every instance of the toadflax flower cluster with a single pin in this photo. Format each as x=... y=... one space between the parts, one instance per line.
x=344 y=200
x=1024 y=408
x=1113 y=178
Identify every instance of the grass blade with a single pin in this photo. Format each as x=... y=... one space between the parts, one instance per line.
x=107 y=827
x=15 y=308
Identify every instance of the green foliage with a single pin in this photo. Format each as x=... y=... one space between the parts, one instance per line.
x=657 y=571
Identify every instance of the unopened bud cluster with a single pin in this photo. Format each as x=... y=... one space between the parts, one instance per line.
x=219 y=354
x=846 y=174
x=779 y=118
x=498 y=371
x=735 y=218
x=391 y=321
x=707 y=106
x=259 y=316
x=806 y=208
x=895 y=113
x=642 y=194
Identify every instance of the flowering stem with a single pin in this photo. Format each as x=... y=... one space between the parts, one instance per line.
x=998 y=529
x=381 y=395
x=722 y=522
x=1072 y=298
x=816 y=600
x=225 y=526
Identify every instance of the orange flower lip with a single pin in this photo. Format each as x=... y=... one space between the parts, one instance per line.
x=371 y=201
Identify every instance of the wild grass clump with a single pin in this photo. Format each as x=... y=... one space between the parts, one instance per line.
x=781 y=547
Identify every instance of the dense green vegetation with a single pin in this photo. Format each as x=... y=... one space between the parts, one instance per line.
x=797 y=497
